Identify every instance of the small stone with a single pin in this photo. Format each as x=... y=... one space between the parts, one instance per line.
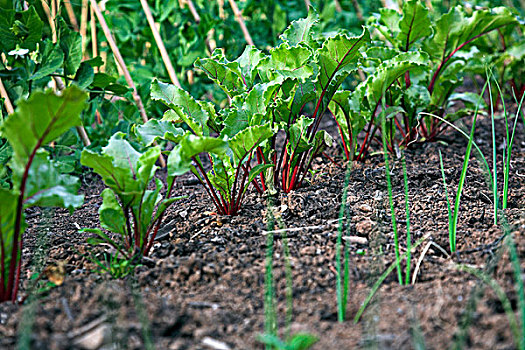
x=308 y=250
x=365 y=208
x=95 y=338
x=215 y=344
x=356 y=240
x=364 y=226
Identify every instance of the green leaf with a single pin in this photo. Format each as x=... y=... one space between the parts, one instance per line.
x=144 y=209
x=389 y=71
x=47 y=187
x=71 y=44
x=285 y=61
x=322 y=140
x=337 y=58
x=346 y=107
x=245 y=65
x=103 y=237
x=180 y=158
x=247 y=140
x=110 y=212
x=41 y=119
x=122 y=168
x=192 y=112
x=414 y=25
x=85 y=75
x=223 y=74
x=8 y=200
x=155 y=130
x=302 y=341
x=51 y=59
x=302 y=30
x=453 y=29
x=20 y=28
x=256 y=170
x=297 y=140
x=102 y=80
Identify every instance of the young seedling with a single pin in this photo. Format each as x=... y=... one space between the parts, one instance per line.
x=132 y=205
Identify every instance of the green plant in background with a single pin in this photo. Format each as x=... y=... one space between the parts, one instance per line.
x=230 y=155
x=299 y=341
x=132 y=206
x=115 y=265
x=36 y=179
x=269 y=93
x=417 y=63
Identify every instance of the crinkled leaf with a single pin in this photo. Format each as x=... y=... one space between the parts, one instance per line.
x=414 y=25
x=245 y=65
x=42 y=118
x=180 y=158
x=222 y=73
x=192 y=112
x=122 y=168
x=287 y=108
x=345 y=106
x=247 y=140
x=297 y=139
x=51 y=59
x=301 y=30
x=236 y=120
x=155 y=130
x=322 y=140
x=285 y=62
x=337 y=58
x=389 y=71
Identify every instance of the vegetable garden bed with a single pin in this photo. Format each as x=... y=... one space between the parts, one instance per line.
x=205 y=278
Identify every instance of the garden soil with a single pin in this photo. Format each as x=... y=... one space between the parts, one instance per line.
x=203 y=285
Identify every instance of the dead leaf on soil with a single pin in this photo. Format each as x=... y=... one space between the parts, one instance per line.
x=56 y=273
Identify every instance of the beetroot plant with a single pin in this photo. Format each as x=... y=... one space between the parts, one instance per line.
x=36 y=179
x=227 y=166
x=132 y=206
x=417 y=66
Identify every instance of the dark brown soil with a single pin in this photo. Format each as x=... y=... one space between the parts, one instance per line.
x=205 y=277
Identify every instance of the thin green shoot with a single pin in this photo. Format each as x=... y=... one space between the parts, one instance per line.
x=507 y=151
x=390 y=196
x=449 y=208
x=455 y=214
x=382 y=278
x=500 y=293
x=520 y=290
x=270 y=322
x=494 y=154
x=142 y=314
x=407 y=211
x=342 y=286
